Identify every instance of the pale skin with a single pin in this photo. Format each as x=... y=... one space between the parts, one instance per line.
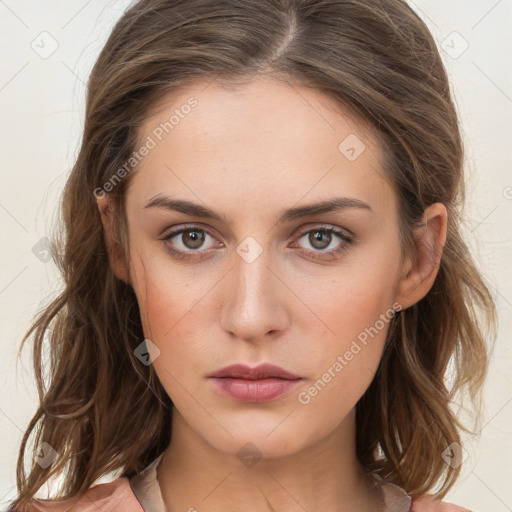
x=249 y=155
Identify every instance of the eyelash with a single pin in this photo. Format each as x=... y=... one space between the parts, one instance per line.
x=348 y=240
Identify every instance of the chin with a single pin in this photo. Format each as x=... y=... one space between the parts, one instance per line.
x=251 y=439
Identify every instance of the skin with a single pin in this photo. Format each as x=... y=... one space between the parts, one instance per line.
x=248 y=155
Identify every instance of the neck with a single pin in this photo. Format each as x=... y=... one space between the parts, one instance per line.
x=327 y=476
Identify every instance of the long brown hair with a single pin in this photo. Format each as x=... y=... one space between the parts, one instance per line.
x=101 y=410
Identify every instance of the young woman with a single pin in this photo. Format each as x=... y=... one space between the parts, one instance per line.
x=264 y=278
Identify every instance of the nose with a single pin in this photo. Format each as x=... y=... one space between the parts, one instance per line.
x=255 y=300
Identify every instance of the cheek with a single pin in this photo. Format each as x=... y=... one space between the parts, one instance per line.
x=343 y=366
x=352 y=300
x=171 y=314
x=355 y=308
x=165 y=297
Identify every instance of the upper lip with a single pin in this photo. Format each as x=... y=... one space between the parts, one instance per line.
x=262 y=371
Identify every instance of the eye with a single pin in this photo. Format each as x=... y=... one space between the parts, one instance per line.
x=323 y=237
x=193 y=239
x=189 y=240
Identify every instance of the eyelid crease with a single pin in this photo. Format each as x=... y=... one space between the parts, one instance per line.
x=346 y=240
x=344 y=232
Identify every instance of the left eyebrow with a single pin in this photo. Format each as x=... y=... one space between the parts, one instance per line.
x=329 y=205
x=197 y=210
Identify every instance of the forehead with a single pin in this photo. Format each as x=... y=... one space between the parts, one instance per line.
x=260 y=143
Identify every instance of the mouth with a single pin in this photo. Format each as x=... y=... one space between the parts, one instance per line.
x=263 y=383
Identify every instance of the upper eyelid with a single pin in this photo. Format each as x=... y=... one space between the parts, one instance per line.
x=199 y=227
x=343 y=231
x=175 y=231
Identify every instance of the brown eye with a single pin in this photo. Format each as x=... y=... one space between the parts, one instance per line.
x=188 y=241
x=192 y=238
x=319 y=239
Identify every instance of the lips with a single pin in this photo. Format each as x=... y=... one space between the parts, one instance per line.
x=263 y=371
x=260 y=384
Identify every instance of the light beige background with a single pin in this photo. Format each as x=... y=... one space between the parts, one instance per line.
x=42 y=100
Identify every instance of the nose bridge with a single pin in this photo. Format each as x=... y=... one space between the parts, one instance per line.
x=254 y=304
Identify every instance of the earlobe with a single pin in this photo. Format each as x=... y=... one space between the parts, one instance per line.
x=420 y=270
x=113 y=245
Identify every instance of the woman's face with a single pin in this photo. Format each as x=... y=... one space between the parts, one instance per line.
x=257 y=276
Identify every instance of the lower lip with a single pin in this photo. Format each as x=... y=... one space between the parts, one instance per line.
x=262 y=390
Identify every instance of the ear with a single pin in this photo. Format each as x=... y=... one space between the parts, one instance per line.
x=420 y=270
x=114 y=248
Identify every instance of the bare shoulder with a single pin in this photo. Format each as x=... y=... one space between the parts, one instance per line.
x=107 y=497
x=430 y=504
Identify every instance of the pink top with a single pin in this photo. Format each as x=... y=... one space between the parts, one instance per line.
x=142 y=494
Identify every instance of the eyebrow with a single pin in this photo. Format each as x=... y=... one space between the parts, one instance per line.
x=329 y=205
